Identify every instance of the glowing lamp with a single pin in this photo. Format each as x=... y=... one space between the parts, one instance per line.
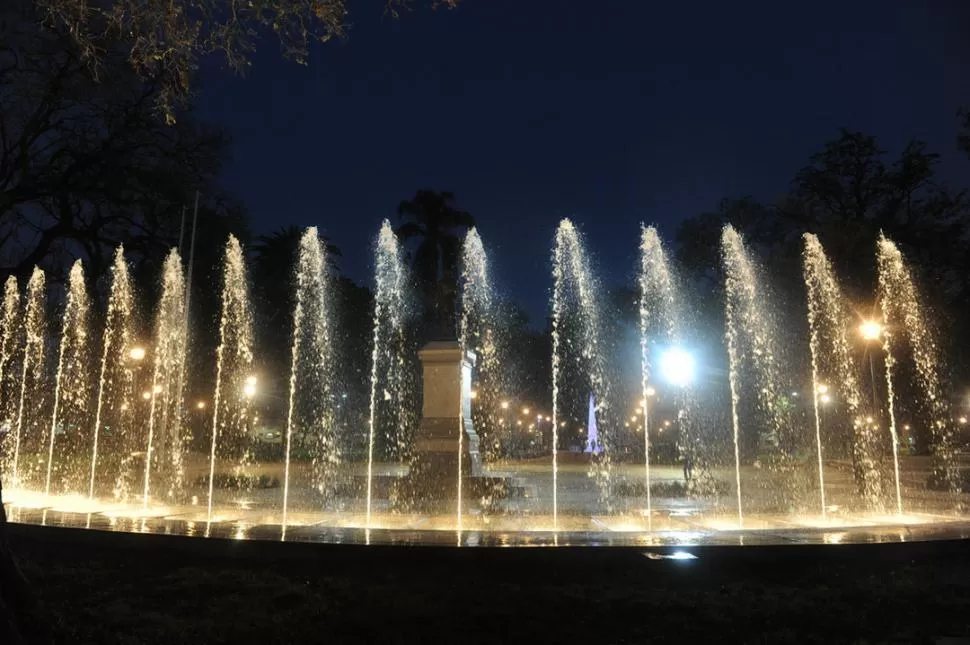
x=870 y=330
x=249 y=389
x=677 y=367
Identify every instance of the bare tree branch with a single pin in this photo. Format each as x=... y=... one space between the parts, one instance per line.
x=166 y=38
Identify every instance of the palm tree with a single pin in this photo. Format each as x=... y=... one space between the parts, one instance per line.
x=434 y=220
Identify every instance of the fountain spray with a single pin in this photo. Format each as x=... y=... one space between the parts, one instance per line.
x=119 y=361
x=70 y=386
x=311 y=399
x=657 y=315
x=903 y=316
x=235 y=383
x=9 y=345
x=388 y=319
x=165 y=414
x=31 y=376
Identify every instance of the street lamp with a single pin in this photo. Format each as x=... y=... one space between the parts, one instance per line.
x=505 y=405
x=137 y=354
x=870 y=330
x=525 y=410
x=249 y=389
x=200 y=405
x=677 y=366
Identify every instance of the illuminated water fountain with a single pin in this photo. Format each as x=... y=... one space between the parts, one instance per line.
x=114 y=435
x=311 y=405
x=813 y=468
x=834 y=375
x=9 y=333
x=754 y=377
x=71 y=414
x=164 y=453
x=387 y=414
x=29 y=425
x=478 y=337
x=235 y=382
x=576 y=343
x=905 y=322
x=658 y=326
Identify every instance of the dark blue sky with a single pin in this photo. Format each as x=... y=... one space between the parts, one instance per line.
x=611 y=112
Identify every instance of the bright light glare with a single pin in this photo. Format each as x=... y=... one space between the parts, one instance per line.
x=249 y=389
x=825 y=398
x=136 y=353
x=870 y=330
x=677 y=366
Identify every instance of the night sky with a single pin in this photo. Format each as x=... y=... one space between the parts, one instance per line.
x=611 y=112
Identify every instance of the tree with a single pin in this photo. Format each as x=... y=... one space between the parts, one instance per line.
x=165 y=40
x=847 y=195
x=86 y=165
x=436 y=223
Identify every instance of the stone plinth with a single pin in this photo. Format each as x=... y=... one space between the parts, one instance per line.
x=445 y=416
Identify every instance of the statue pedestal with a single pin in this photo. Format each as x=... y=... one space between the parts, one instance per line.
x=446 y=422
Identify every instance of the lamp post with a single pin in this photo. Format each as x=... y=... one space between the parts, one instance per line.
x=677 y=366
x=508 y=425
x=136 y=354
x=249 y=393
x=871 y=330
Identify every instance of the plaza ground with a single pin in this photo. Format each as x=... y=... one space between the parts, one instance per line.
x=111 y=588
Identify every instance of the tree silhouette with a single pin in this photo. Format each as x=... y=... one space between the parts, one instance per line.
x=436 y=224
x=86 y=164
x=846 y=195
x=163 y=41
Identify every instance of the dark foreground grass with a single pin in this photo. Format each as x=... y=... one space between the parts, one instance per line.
x=110 y=588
